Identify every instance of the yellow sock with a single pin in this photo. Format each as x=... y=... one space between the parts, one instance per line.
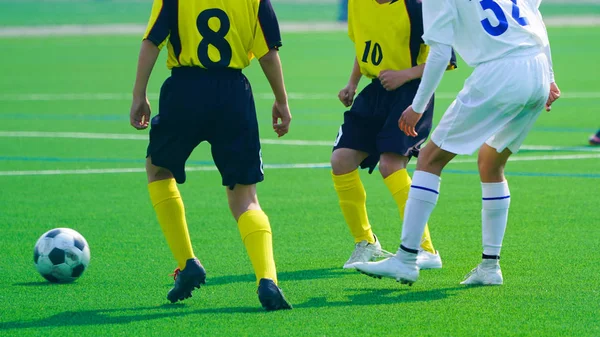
x=399 y=184
x=353 y=199
x=256 y=234
x=171 y=217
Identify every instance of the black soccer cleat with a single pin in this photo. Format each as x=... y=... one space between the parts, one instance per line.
x=190 y=278
x=270 y=296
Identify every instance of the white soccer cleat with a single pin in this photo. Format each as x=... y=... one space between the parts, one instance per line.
x=365 y=252
x=402 y=267
x=486 y=273
x=426 y=260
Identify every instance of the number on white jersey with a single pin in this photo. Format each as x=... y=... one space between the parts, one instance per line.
x=502 y=26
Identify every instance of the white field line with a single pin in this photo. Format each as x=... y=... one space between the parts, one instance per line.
x=266 y=166
x=286 y=27
x=289 y=142
x=265 y=96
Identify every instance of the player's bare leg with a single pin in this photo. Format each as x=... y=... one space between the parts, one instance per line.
x=422 y=199
x=595 y=139
x=255 y=231
x=352 y=199
x=392 y=167
x=494 y=215
x=170 y=212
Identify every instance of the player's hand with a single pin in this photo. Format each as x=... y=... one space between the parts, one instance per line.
x=139 y=115
x=346 y=95
x=393 y=79
x=554 y=95
x=281 y=118
x=408 y=121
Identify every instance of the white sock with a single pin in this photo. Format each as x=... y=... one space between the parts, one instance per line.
x=422 y=198
x=494 y=215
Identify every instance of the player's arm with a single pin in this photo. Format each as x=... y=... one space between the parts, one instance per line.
x=139 y=115
x=394 y=79
x=155 y=37
x=554 y=90
x=437 y=63
x=271 y=66
x=438 y=24
x=346 y=95
x=267 y=40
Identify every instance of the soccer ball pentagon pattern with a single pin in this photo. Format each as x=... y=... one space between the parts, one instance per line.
x=61 y=255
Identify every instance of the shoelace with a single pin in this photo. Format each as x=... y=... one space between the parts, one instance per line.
x=473 y=271
x=383 y=253
x=175 y=274
x=378 y=254
x=359 y=251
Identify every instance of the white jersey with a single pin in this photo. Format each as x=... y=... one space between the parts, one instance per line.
x=484 y=30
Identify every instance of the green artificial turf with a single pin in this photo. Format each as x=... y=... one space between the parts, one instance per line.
x=36 y=12
x=550 y=261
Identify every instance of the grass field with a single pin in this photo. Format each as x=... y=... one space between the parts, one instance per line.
x=68 y=158
x=34 y=12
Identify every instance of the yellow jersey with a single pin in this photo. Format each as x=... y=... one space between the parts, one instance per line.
x=386 y=36
x=213 y=33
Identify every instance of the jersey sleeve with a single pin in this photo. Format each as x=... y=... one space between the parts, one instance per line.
x=158 y=30
x=437 y=63
x=438 y=21
x=419 y=50
x=350 y=20
x=267 y=35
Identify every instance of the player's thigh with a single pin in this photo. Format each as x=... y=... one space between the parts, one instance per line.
x=345 y=160
x=477 y=113
x=494 y=95
x=171 y=138
x=235 y=143
x=395 y=146
x=355 y=144
x=512 y=135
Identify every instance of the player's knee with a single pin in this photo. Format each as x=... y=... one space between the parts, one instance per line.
x=156 y=173
x=390 y=163
x=342 y=162
x=432 y=159
x=490 y=171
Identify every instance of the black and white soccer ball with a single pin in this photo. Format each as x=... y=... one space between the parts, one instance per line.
x=61 y=255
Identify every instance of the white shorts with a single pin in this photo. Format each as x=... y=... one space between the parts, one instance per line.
x=498 y=106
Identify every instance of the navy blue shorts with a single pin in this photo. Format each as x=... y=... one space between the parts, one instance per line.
x=371 y=124
x=216 y=106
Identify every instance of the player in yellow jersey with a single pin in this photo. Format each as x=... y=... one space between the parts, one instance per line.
x=390 y=52
x=207 y=98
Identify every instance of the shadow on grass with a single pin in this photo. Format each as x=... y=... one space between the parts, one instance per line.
x=38 y=284
x=382 y=296
x=120 y=316
x=298 y=275
x=131 y=315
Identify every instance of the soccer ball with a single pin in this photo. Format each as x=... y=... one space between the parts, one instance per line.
x=61 y=255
